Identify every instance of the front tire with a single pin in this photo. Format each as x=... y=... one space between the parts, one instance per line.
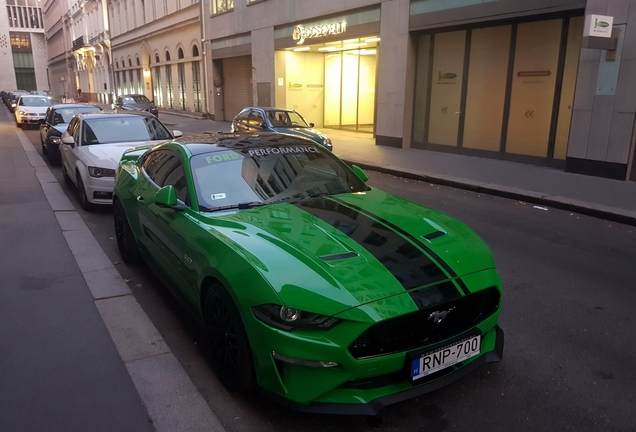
x=231 y=352
x=125 y=239
x=83 y=199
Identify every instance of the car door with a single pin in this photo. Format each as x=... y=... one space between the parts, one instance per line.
x=167 y=231
x=240 y=121
x=256 y=121
x=69 y=152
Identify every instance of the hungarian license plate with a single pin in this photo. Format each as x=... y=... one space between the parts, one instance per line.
x=444 y=357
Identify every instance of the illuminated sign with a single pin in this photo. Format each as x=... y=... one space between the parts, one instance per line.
x=300 y=33
x=598 y=25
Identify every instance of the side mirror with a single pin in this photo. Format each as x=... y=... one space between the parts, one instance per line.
x=67 y=139
x=311 y=125
x=166 y=197
x=177 y=133
x=360 y=173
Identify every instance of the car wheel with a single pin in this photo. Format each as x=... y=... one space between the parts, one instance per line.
x=125 y=239
x=83 y=199
x=230 y=348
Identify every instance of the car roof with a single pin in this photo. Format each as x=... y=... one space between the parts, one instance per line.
x=268 y=109
x=208 y=143
x=93 y=115
x=72 y=105
x=131 y=94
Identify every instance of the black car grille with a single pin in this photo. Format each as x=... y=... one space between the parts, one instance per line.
x=416 y=329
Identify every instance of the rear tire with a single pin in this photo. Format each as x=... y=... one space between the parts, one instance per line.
x=231 y=353
x=125 y=239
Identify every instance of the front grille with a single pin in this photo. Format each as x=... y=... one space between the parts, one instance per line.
x=416 y=330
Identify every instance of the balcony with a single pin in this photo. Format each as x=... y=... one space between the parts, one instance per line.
x=78 y=43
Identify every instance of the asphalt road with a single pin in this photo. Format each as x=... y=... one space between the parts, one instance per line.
x=569 y=301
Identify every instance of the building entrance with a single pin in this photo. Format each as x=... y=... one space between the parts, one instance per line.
x=332 y=84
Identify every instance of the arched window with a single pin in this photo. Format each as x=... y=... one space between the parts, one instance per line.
x=129 y=62
x=167 y=56
x=137 y=61
x=116 y=64
x=180 y=53
x=195 y=51
x=156 y=58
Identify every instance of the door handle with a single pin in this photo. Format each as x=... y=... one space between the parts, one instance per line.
x=458 y=112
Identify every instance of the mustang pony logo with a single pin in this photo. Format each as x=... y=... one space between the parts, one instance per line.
x=438 y=316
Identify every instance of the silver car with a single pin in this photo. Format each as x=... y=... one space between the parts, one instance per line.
x=30 y=109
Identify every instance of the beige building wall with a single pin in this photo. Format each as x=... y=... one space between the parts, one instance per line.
x=7 y=75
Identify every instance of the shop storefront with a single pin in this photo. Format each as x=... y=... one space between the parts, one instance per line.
x=499 y=89
x=327 y=70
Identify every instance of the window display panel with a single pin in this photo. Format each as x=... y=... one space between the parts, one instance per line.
x=421 y=87
x=485 y=98
x=366 y=91
x=567 y=89
x=333 y=72
x=533 y=86
x=446 y=87
x=350 y=73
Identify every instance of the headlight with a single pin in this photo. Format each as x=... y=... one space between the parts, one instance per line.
x=288 y=319
x=22 y=112
x=100 y=172
x=56 y=140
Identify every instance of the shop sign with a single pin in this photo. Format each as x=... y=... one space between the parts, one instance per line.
x=598 y=26
x=301 y=33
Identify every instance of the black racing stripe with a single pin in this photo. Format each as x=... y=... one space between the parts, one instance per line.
x=413 y=239
x=407 y=264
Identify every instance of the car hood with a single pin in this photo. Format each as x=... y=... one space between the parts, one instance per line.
x=348 y=250
x=310 y=133
x=61 y=128
x=138 y=106
x=40 y=110
x=108 y=155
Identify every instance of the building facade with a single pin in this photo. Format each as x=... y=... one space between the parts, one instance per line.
x=505 y=79
x=22 y=46
x=156 y=48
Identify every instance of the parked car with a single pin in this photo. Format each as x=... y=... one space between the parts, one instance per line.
x=54 y=125
x=256 y=119
x=135 y=102
x=330 y=295
x=10 y=98
x=93 y=144
x=30 y=109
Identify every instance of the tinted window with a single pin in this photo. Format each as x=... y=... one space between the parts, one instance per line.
x=64 y=115
x=270 y=174
x=124 y=129
x=141 y=99
x=164 y=168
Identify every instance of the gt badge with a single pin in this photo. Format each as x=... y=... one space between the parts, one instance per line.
x=438 y=316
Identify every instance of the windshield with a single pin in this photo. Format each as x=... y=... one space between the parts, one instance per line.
x=141 y=99
x=285 y=119
x=270 y=174
x=35 y=101
x=64 y=115
x=123 y=129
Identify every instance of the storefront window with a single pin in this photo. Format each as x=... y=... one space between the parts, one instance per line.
x=421 y=88
x=182 y=93
x=533 y=85
x=446 y=87
x=169 y=94
x=486 y=93
x=196 y=85
x=158 y=90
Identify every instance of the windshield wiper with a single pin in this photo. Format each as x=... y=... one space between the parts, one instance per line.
x=240 y=206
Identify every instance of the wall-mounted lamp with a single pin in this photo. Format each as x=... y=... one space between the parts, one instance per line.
x=146 y=72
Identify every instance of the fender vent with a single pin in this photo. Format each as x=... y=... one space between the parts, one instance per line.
x=339 y=256
x=434 y=235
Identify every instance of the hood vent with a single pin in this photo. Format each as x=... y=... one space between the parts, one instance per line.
x=434 y=235
x=339 y=256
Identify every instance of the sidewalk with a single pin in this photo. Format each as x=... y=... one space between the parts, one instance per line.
x=77 y=352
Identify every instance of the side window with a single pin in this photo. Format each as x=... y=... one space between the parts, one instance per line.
x=242 y=117
x=164 y=168
x=118 y=101
x=75 y=132
x=256 y=118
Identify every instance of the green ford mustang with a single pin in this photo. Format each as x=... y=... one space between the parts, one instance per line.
x=327 y=294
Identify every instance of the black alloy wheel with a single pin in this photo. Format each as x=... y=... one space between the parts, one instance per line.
x=230 y=348
x=125 y=239
x=83 y=199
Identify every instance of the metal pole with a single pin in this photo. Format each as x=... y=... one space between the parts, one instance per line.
x=630 y=158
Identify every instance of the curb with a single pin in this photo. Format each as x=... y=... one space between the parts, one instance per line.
x=609 y=213
x=170 y=397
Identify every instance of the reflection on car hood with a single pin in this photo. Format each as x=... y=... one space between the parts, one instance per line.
x=139 y=106
x=108 y=155
x=310 y=133
x=352 y=249
x=61 y=128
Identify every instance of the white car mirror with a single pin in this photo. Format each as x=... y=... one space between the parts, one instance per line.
x=67 y=139
x=177 y=133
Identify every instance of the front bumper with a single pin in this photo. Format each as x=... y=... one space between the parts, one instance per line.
x=99 y=190
x=29 y=119
x=375 y=406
